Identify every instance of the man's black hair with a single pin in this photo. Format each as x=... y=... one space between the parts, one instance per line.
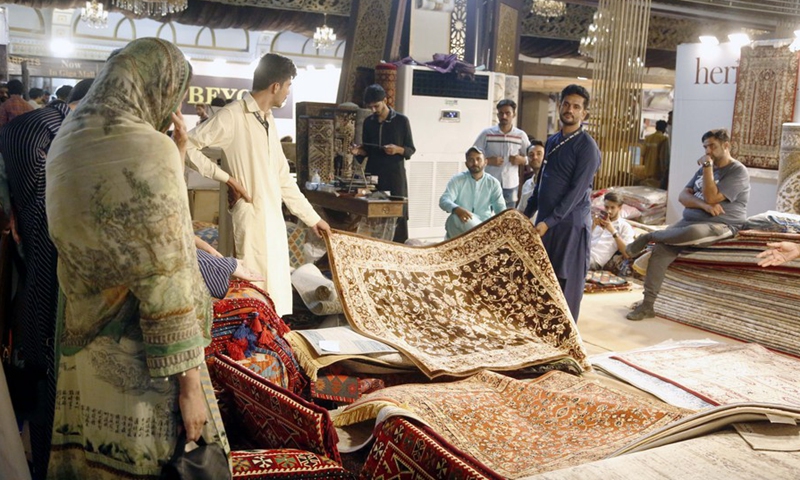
x=80 y=90
x=15 y=87
x=273 y=68
x=576 y=90
x=374 y=93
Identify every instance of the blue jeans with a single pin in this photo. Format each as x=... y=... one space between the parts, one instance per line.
x=510 y=196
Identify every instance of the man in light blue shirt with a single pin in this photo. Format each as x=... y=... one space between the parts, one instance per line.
x=471 y=197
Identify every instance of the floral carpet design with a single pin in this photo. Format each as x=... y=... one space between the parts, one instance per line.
x=484 y=300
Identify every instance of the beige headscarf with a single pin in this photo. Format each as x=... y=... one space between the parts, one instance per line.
x=119 y=216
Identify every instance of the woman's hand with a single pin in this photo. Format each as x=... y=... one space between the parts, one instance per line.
x=179 y=134
x=192 y=402
x=245 y=273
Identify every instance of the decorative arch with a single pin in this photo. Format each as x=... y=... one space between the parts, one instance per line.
x=213 y=37
x=174 y=38
x=119 y=26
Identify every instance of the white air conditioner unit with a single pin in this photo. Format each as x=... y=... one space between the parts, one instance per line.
x=446 y=116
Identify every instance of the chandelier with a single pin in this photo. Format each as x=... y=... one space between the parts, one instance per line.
x=548 y=8
x=589 y=42
x=324 y=37
x=94 y=15
x=151 y=8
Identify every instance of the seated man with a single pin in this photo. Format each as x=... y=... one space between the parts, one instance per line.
x=535 y=159
x=471 y=197
x=610 y=232
x=716 y=207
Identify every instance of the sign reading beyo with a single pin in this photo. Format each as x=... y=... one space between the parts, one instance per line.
x=203 y=89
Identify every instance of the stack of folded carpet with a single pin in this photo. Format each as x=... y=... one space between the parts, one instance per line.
x=651 y=202
x=722 y=289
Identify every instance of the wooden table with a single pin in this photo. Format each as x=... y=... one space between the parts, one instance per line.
x=372 y=218
x=360 y=206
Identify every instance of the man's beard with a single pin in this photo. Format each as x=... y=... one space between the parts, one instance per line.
x=475 y=169
x=574 y=120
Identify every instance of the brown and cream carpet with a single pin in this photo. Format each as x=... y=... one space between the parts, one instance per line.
x=487 y=300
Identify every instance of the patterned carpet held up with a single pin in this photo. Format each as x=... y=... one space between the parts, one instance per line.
x=485 y=300
x=520 y=428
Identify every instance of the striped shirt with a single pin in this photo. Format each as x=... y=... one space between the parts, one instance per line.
x=24 y=143
x=495 y=143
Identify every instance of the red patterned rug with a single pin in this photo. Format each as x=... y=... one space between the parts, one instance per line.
x=272 y=416
x=403 y=449
x=520 y=428
x=484 y=300
x=285 y=464
x=765 y=91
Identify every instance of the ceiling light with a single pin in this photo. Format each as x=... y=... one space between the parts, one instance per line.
x=94 y=15
x=548 y=8
x=709 y=40
x=152 y=8
x=739 y=39
x=324 y=37
x=61 y=47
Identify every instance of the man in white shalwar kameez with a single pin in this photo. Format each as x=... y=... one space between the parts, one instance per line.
x=259 y=177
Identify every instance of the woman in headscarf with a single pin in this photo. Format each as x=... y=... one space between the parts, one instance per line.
x=137 y=314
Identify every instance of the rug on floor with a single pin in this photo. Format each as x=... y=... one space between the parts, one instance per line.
x=719 y=456
x=487 y=299
x=519 y=428
x=721 y=373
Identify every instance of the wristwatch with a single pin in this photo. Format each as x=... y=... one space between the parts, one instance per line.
x=707 y=163
x=615 y=235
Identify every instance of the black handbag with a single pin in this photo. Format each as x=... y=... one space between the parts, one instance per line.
x=206 y=462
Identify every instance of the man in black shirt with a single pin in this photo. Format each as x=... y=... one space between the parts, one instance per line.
x=387 y=143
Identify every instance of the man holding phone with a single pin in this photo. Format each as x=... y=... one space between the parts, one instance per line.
x=610 y=232
x=387 y=142
x=715 y=201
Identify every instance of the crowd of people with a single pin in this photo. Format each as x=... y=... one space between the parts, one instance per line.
x=96 y=202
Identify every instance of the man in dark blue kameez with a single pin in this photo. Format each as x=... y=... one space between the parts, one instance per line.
x=561 y=197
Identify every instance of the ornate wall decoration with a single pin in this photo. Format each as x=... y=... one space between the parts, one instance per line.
x=331 y=7
x=571 y=26
x=371 y=29
x=506 y=40
x=345 y=119
x=664 y=33
x=320 y=148
x=458 y=29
